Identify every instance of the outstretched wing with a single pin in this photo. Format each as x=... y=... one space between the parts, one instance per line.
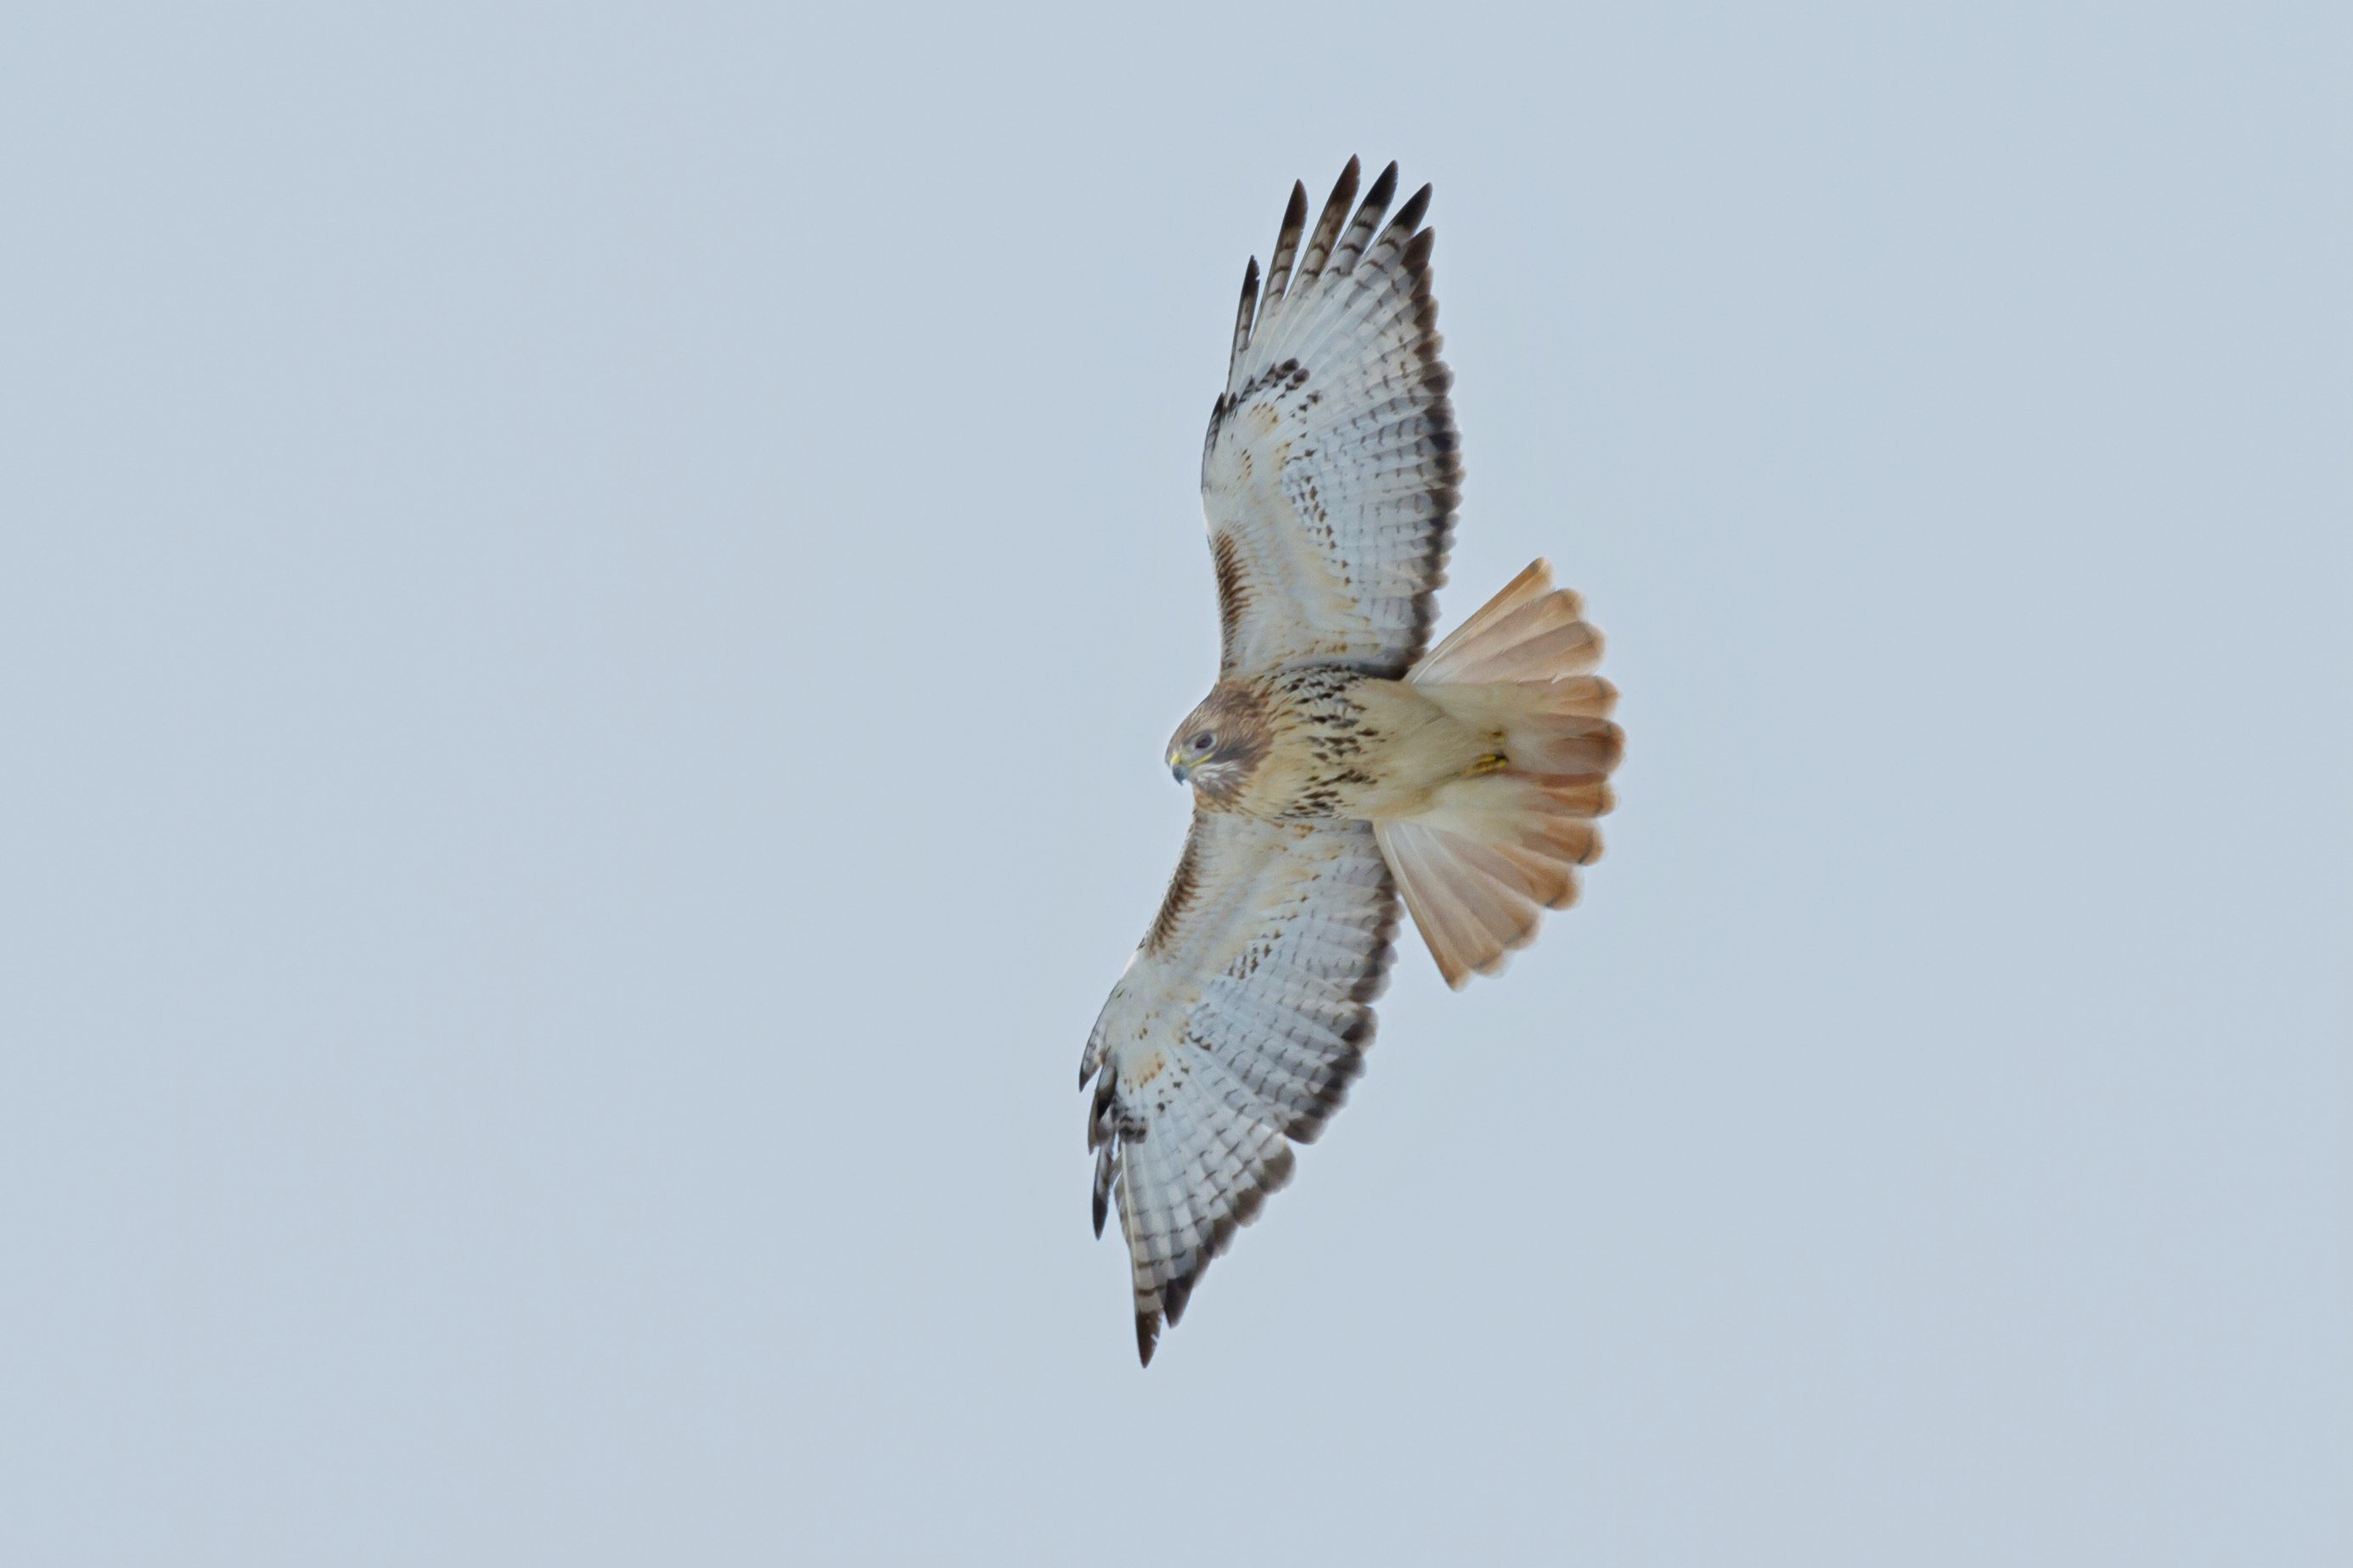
x=1329 y=478
x=1236 y=1030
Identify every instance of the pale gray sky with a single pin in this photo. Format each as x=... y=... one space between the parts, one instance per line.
x=589 y=603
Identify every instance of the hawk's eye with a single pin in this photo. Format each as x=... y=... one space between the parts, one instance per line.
x=1204 y=741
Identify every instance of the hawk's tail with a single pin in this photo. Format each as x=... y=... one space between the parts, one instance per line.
x=1501 y=845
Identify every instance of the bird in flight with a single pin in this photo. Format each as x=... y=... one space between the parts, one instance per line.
x=1335 y=765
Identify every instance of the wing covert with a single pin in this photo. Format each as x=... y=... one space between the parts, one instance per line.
x=1235 y=1031
x=1330 y=475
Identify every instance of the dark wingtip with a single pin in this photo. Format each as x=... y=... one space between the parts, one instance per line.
x=1383 y=188
x=1344 y=189
x=1245 y=313
x=1147 y=1335
x=1295 y=215
x=1102 y=1211
x=1409 y=217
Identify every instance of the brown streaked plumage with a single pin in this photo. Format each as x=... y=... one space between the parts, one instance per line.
x=1336 y=767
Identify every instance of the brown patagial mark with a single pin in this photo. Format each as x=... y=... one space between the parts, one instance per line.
x=1233 y=594
x=1183 y=889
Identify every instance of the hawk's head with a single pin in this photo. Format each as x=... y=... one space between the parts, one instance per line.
x=1220 y=743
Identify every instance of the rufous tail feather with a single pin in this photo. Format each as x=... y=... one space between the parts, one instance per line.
x=1502 y=845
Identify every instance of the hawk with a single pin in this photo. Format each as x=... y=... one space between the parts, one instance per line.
x=1335 y=766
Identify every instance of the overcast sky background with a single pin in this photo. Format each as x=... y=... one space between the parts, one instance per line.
x=588 y=607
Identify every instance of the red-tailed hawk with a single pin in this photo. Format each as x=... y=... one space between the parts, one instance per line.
x=1335 y=766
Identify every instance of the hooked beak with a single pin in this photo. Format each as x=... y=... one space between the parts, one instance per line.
x=1183 y=775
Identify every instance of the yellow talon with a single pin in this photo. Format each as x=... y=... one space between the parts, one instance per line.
x=1493 y=762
